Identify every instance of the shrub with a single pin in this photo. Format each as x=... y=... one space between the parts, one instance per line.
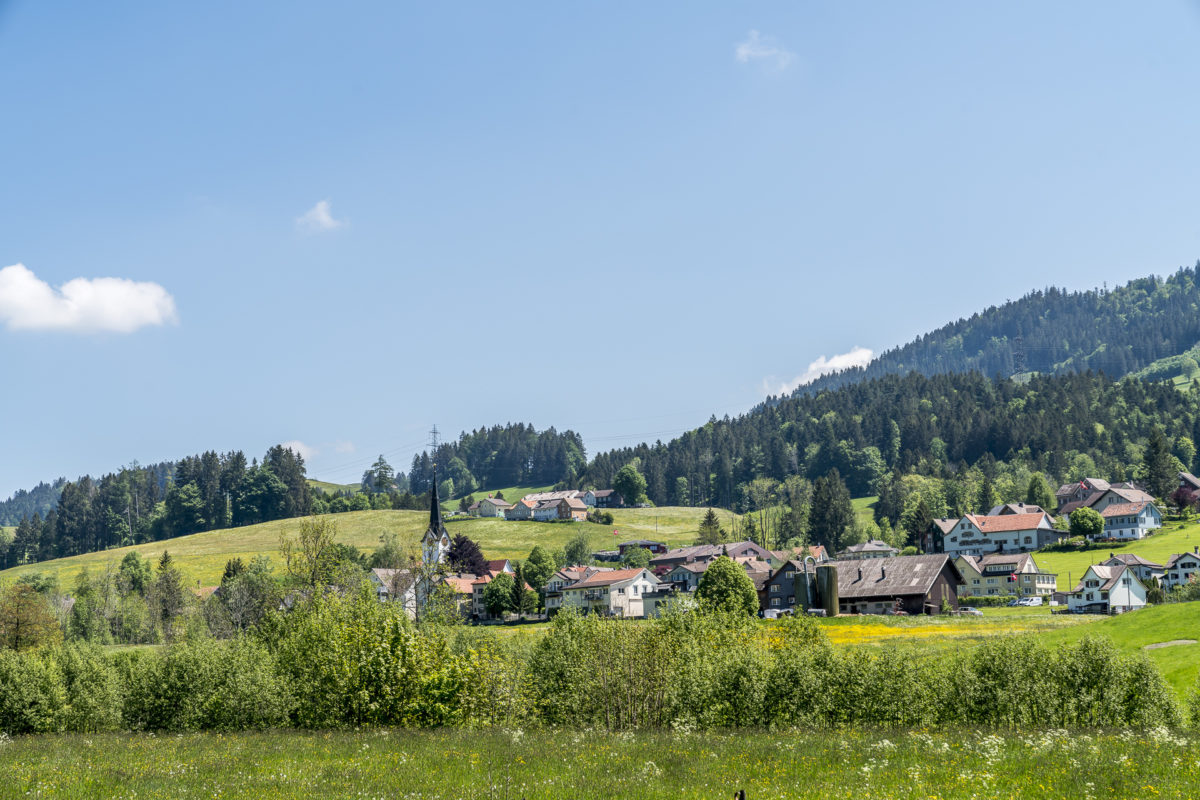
x=32 y=696
x=93 y=689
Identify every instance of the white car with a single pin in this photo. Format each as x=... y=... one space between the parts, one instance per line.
x=969 y=611
x=1031 y=601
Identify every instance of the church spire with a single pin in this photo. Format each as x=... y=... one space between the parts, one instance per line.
x=435 y=545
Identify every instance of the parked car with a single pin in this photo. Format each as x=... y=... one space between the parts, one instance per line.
x=1031 y=601
x=969 y=611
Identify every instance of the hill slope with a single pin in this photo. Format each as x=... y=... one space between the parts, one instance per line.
x=1053 y=331
x=201 y=557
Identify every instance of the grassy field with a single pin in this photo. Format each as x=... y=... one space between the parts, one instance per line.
x=202 y=556
x=1173 y=537
x=1155 y=625
x=333 y=488
x=864 y=507
x=590 y=765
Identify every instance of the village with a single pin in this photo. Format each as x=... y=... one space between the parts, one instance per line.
x=985 y=557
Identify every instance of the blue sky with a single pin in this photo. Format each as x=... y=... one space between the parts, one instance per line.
x=341 y=224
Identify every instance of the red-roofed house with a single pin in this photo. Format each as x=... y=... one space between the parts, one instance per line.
x=978 y=535
x=617 y=593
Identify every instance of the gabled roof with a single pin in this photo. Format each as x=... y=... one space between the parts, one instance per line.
x=1125 y=509
x=817 y=551
x=1015 y=508
x=1177 y=557
x=1190 y=479
x=498 y=565
x=608 y=578
x=1019 y=561
x=400 y=579
x=1109 y=574
x=698 y=551
x=946 y=524
x=1131 y=560
x=460 y=583
x=497 y=503
x=574 y=503
x=872 y=546
x=1008 y=522
x=542 y=505
x=1128 y=495
x=897 y=576
x=640 y=542
x=1095 y=484
x=603 y=492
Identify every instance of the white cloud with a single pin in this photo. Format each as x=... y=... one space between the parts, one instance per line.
x=763 y=49
x=82 y=305
x=319 y=219
x=301 y=449
x=857 y=357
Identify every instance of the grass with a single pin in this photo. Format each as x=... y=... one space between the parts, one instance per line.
x=590 y=765
x=333 y=488
x=864 y=507
x=201 y=557
x=1131 y=632
x=1173 y=537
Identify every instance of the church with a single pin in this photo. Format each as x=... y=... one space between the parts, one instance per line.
x=435 y=545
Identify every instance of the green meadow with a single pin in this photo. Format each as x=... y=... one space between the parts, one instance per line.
x=1173 y=537
x=201 y=557
x=592 y=765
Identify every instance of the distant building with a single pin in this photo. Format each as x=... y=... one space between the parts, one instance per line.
x=707 y=552
x=1181 y=568
x=870 y=549
x=1003 y=573
x=491 y=507
x=617 y=593
x=1107 y=590
x=1130 y=520
x=979 y=534
x=1145 y=570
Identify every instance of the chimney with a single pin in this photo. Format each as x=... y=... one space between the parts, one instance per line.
x=860 y=573
x=882 y=573
x=1110 y=554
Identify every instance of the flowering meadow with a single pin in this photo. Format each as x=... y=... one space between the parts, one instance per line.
x=391 y=763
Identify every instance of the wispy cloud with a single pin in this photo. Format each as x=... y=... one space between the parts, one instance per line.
x=82 y=305
x=319 y=219
x=763 y=50
x=857 y=357
x=300 y=448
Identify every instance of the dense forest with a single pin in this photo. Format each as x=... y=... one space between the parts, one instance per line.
x=508 y=455
x=1053 y=331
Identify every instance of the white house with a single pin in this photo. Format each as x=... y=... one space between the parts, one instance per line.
x=617 y=593
x=563 y=578
x=396 y=585
x=978 y=535
x=491 y=507
x=1118 y=495
x=1130 y=520
x=1107 y=590
x=1181 y=568
x=545 y=511
x=1003 y=573
x=871 y=549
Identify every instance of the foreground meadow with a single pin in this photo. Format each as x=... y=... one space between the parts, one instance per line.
x=587 y=764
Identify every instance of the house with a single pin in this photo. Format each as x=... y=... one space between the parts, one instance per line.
x=1071 y=493
x=1100 y=498
x=589 y=498
x=934 y=539
x=1015 y=508
x=497 y=565
x=1145 y=570
x=563 y=494
x=977 y=534
x=685 y=577
x=617 y=593
x=1189 y=482
x=1182 y=568
x=572 y=508
x=870 y=549
x=396 y=585
x=473 y=509
x=607 y=498
x=522 y=509
x=707 y=552
x=912 y=584
x=1130 y=520
x=656 y=548
x=545 y=511
x=461 y=584
x=564 y=578
x=1003 y=573
x=491 y=507
x=1107 y=590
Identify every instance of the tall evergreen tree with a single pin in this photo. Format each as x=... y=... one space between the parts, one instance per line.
x=832 y=512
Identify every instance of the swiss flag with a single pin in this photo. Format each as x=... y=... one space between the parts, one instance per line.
x=614 y=531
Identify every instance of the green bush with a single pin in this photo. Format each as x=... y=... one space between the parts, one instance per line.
x=93 y=688
x=32 y=696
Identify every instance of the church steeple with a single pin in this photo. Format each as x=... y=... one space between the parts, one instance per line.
x=435 y=544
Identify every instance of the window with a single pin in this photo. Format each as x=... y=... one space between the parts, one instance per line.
x=791 y=573
x=975 y=581
x=774 y=601
x=775 y=588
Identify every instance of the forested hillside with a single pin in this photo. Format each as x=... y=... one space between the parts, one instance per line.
x=1116 y=331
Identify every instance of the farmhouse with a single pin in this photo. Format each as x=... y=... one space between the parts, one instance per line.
x=1189 y=482
x=607 y=498
x=396 y=585
x=546 y=510
x=1003 y=573
x=1130 y=520
x=913 y=584
x=1107 y=590
x=522 y=509
x=1073 y=493
x=1181 y=568
x=563 y=578
x=491 y=507
x=617 y=593
x=979 y=535
x=1015 y=508
x=572 y=508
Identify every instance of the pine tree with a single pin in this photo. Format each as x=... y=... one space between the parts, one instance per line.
x=710 y=529
x=1158 y=465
